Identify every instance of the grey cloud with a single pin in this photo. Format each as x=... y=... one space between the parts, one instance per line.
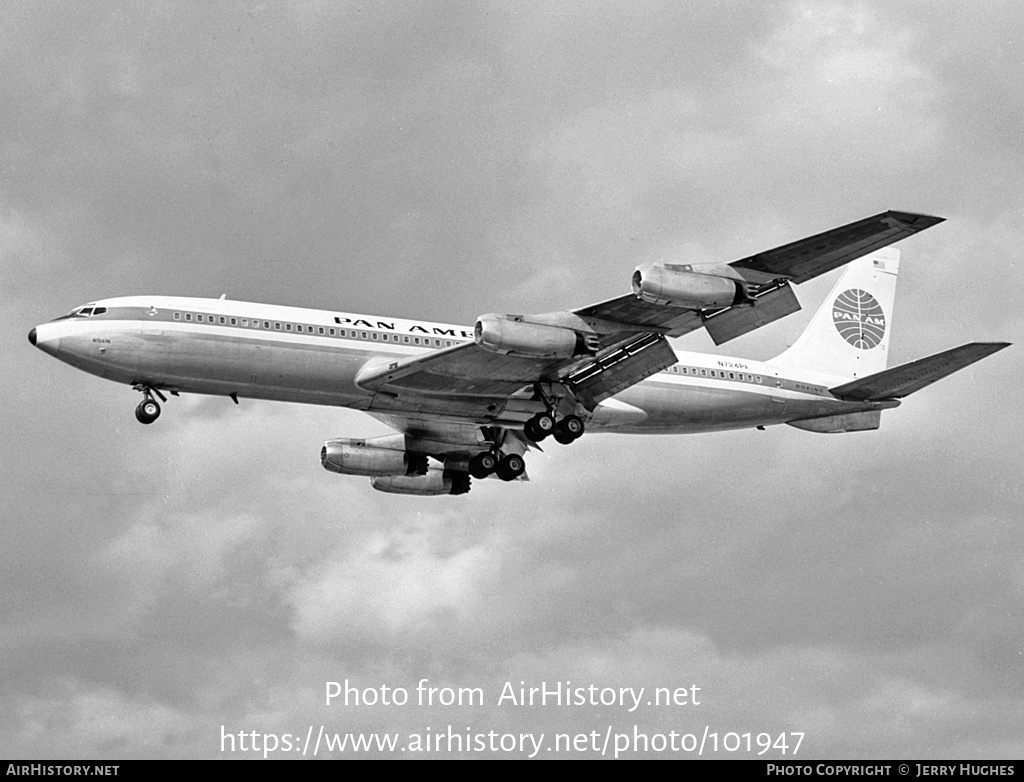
x=438 y=161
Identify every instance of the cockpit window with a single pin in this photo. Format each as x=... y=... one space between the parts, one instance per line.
x=83 y=312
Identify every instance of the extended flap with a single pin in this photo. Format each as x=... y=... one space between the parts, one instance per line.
x=731 y=323
x=619 y=368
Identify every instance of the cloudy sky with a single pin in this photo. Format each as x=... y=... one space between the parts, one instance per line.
x=439 y=160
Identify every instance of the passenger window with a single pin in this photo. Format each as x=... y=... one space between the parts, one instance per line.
x=277 y=326
x=199 y=318
x=234 y=321
x=188 y=316
x=177 y=316
x=373 y=335
x=321 y=330
x=222 y=320
x=287 y=326
x=363 y=335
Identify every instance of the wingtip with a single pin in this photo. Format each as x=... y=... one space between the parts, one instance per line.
x=916 y=221
x=994 y=345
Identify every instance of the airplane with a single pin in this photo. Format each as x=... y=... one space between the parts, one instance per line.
x=471 y=402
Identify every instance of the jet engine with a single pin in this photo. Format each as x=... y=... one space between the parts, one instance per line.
x=674 y=285
x=436 y=481
x=363 y=457
x=510 y=334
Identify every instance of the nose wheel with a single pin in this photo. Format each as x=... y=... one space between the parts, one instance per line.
x=149 y=409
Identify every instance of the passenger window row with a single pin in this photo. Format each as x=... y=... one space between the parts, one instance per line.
x=303 y=328
x=715 y=373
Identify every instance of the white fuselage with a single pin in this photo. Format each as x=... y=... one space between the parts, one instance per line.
x=262 y=351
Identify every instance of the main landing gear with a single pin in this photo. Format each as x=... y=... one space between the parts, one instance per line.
x=149 y=409
x=512 y=465
x=565 y=431
x=508 y=467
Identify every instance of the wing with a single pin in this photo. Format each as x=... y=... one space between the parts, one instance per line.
x=805 y=259
x=624 y=337
x=469 y=381
x=772 y=272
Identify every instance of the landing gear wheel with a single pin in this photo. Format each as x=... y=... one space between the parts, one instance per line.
x=511 y=467
x=147 y=411
x=539 y=427
x=568 y=429
x=482 y=465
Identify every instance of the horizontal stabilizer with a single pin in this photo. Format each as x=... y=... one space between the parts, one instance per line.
x=907 y=378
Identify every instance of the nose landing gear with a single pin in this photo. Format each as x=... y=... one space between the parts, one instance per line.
x=149 y=409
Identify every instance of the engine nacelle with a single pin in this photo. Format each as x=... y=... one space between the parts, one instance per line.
x=433 y=483
x=672 y=286
x=510 y=334
x=363 y=457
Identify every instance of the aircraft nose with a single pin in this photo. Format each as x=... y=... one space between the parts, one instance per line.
x=32 y=336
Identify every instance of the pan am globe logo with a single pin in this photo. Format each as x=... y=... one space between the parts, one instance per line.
x=859 y=318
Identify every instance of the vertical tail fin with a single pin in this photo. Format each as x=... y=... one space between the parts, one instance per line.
x=849 y=335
